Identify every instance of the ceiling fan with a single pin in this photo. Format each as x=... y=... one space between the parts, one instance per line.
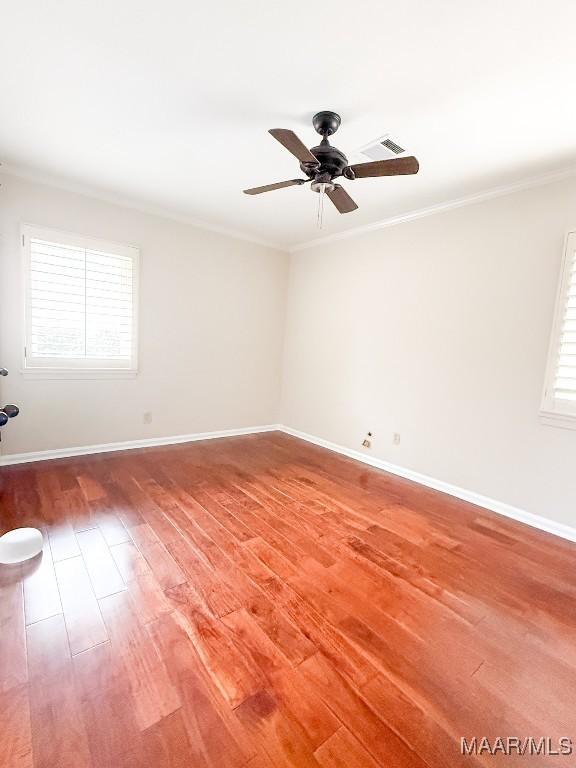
x=324 y=163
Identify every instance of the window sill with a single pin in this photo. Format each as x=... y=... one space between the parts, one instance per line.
x=78 y=373
x=555 y=419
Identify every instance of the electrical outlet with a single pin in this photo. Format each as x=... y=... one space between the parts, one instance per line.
x=367 y=442
x=147 y=417
x=396 y=438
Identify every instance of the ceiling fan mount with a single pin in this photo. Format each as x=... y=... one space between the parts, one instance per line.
x=325 y=163
x=326 y=123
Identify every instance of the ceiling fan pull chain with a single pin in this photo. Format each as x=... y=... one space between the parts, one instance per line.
x=321 y=196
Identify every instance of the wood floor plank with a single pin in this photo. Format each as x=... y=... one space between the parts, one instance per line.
x=330 y=640
x=160 y=561
x=228 y=521
x=41 y=595
x=213 y=733
x=129 y=561
x=265 y=603
x=215 y=592
x=170 y=743
x=62 y=540
x=91 y=488
x=147 y=596
x=13 y=664
x=149 y=600
x=342 y=750
x=58 y=733
x=274 y=622
x=422 y=730
x=252 y=643
x=81 y=611
x=111 y=527
x=15 y=734
x=266 y=580
x=153 y=695
x=306 y=706
x=376 y=737
x=236 y=676
x=107 y=707
x=276 y=514
x=272 y=558
x=103 y=572
x=281 y=737
x=73 y=503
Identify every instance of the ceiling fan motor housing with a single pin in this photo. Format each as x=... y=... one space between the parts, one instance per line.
x=331 y=162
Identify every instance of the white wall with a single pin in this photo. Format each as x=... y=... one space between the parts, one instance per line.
x=211 y=323
x=438 y=329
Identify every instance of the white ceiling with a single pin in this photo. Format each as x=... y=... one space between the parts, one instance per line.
x=168 y=103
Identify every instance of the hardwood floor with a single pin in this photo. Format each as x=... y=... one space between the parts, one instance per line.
x=258 y=601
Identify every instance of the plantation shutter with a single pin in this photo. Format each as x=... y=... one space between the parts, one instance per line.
x=564 y=387
x=81 y=305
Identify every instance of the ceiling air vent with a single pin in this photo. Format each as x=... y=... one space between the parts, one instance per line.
x=392 y=146
x=384 y=148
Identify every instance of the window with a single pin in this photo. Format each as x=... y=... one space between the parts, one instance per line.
x=559 y=401
x=81 y=305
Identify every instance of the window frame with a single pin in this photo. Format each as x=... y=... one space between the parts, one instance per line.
x=554 y=412
x=77 y=368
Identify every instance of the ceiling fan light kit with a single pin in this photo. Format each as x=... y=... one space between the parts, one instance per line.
x=325 y=163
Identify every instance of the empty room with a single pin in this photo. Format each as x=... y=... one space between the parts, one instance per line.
x=287 y=384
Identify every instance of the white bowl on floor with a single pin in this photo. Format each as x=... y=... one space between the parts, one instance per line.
x=20 y=544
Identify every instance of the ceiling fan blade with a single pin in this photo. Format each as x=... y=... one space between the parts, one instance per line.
x=342 y=199
x=293 y=144
x=398 y=166
x=270 y=187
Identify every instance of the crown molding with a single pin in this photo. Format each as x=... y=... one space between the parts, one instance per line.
x=47 y=180
x=152 y=210
x=419 y=213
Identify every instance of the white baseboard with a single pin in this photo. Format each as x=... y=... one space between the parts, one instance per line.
x=536 y=521
x=150 y=442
